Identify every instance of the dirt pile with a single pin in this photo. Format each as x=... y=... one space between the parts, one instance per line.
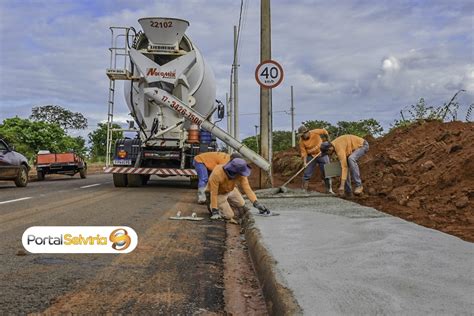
x=423 y=173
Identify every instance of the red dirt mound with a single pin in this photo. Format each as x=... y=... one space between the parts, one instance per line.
x=423 y=173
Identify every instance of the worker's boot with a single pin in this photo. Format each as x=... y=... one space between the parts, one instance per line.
x=358 y=190
x=305 y=185
x=328 y=186
x=202 y=195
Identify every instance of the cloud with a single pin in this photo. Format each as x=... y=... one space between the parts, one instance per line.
x=347 y=61
x=390 y=65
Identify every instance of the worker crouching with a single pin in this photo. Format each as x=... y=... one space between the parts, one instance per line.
x=348 y=149
x=224 y=194
x=310 y=141
x=204 y=164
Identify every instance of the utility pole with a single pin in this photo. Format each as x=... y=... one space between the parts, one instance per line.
x=236 y=87
x=265 y=94
x=229 y=119
x=292 y=112
x=256 y=135
x=227 y=106
x=231 y=109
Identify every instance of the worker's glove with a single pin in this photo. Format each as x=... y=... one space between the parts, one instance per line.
x=215 y=214
x=262 y=209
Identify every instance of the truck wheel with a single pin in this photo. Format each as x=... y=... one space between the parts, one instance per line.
x=120 y=180
x=40 y=175
x=83 y=173
x=22 y=178
x=134 y=180
x=145 y=179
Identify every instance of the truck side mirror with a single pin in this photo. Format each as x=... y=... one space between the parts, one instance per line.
x=220 y=111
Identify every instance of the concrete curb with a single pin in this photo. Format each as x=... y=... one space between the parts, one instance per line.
x=279 y=299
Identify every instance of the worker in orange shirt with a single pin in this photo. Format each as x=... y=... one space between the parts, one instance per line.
x=204 y=164
x=348 y=149
x=224 y=194
x=310 y=140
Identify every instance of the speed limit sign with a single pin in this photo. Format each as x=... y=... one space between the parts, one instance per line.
x=269 y=74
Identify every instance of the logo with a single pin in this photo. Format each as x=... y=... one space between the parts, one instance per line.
x=80 y=239
x=121 y=240
x=163 y=74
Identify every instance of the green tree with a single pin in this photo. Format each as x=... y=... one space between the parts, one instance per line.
x=251 y=142
x=360 y=128
x=281 y=141
x=313 y=124
x=29 y=137
x=98 y=140
x=59 y=115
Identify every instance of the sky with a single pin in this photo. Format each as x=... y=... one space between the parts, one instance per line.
x=347 y=60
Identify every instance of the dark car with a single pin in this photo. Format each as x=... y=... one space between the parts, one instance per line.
x=13 y=166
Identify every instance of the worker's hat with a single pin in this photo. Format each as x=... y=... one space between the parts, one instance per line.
x=325 y=148
x=302 y=129
x=237 y=166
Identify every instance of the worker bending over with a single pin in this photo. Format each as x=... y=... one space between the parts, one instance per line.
x=310 y=141
x=348 y=149
x=204 y=164
x=224 y=194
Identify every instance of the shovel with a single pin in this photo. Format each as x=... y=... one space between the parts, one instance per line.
x=283 y=188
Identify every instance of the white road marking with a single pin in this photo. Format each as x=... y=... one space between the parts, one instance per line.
x=91 y=185
x=11 y=201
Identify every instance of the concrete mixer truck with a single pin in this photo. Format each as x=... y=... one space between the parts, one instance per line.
x=170 y=93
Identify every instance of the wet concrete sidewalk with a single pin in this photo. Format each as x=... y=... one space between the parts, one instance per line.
x=325 y=255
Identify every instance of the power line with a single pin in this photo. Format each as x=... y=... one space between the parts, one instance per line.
x=282 y=111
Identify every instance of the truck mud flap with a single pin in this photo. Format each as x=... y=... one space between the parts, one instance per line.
x=152 y=171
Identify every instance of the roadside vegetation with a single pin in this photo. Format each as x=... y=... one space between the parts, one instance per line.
x=415 y=113
x=48 y=128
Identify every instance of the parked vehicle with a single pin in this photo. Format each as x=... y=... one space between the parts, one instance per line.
x=62 y=163
x=13 y=166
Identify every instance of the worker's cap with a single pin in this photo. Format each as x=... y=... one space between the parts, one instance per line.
x=325 y=148
x=237 y=166
x=302 y=129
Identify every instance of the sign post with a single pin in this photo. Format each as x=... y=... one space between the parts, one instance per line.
x=269 y=74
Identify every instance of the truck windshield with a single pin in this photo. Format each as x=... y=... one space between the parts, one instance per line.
x=3 y=147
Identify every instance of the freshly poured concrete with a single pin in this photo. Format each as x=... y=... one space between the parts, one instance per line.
x=342 y=258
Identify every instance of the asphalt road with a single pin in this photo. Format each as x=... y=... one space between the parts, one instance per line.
x=176 y=268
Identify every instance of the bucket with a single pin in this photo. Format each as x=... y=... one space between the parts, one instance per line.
x=193 y=134
x=205 y=137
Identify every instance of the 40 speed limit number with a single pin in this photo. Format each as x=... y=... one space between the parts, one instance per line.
x=269 y=74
